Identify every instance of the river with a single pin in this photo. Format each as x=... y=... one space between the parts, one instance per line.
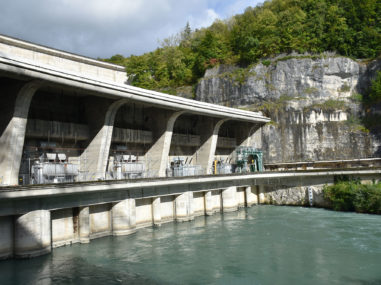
x=260 y=245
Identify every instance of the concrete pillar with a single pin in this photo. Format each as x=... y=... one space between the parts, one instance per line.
x=205 y=154
x=84 y=224
x=13 y=136
x=184 y=209
x=156 y=211
x=251 y=196
x=253 y=137
x=229 y=199
x=124 y=217
x=6 y=237
x=208 y=203
x=158 y=153
x=261 y=195
x=95 y=157
x=33 y=234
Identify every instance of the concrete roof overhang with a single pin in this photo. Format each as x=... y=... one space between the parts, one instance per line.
x=29 y=71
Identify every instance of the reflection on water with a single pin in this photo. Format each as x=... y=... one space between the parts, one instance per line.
x=261 y=245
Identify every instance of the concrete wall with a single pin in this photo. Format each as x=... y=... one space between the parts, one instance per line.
x=64 y=227
x=167 y=208
x=35 y=232
x=144 y=212
x=100 y=220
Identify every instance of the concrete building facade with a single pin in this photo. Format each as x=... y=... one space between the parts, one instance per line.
x=83 y=110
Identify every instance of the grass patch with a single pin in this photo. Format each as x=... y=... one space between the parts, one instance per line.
x=311 y=90
x=344 y=88
x=329 y=106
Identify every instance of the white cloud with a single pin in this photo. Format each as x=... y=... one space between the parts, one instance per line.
x=100 y=28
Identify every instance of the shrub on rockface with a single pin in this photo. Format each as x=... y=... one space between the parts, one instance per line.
x=354 y=196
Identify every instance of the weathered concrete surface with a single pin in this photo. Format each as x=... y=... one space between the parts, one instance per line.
x=229 y=199
x=100 y=220
x=96 y=155
x=124 y=217
x=32 y=234
x=12 y=138
x=144 y=213
x=60 y=60
x=64 y=227
x=84 y=224
x=184 y=207
x=251 y=193
x=167 y=208
x=206 y=152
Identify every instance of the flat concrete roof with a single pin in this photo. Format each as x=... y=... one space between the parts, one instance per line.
x=58 y=53
x=25 y=68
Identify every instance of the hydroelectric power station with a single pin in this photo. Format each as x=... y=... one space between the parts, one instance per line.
x=84 y=155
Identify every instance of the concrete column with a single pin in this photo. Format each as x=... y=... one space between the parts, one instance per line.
x=6 y=237
x=184 y=207
x=208 y=203
x=156 y=211
x=205 y=154
x=84 y=224
x=229 y=199
x=158 y=153
x=252 y=137
x=261 y=195
x=95 y=157
x=33 y=234
x=13 y=136
x=124 y=217
x=251 y=196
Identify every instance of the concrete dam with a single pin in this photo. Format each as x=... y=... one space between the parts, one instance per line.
x=84 y=155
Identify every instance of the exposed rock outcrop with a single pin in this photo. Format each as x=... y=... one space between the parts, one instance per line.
x=313 y=102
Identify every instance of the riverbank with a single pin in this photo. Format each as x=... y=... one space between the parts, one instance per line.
x=348 y=196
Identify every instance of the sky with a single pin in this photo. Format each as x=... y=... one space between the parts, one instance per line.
x=102 y=28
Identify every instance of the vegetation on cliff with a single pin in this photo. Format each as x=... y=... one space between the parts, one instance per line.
x=354 y=196
x=350 y=28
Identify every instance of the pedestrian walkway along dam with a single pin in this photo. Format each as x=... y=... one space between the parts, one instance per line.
x=84 y=155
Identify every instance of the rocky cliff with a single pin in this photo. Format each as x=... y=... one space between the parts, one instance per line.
x=314 y=103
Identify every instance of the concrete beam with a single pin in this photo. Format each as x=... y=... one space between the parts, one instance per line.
x=12 y=138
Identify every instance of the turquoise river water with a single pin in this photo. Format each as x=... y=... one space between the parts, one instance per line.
x=260 y=245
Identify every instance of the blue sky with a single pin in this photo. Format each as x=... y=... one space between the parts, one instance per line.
x=102 y=28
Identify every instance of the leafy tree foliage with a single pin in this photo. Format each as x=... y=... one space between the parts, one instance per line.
x=349 y=27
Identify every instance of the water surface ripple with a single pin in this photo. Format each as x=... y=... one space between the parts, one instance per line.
x=260 y=245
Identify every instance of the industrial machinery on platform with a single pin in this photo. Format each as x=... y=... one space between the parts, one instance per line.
x=53 y=168
x=182 y=167
x=222 y=167
x=248 y=159
x=127 y=167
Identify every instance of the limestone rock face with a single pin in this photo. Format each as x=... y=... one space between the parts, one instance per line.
x=295 y=196
x=312 y=102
